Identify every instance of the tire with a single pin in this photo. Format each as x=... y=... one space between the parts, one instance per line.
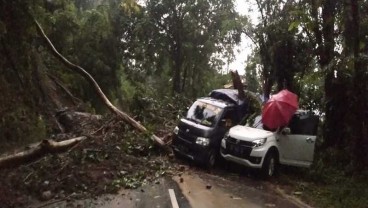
x=211 y=159
x=270 y=165
x=178 y=155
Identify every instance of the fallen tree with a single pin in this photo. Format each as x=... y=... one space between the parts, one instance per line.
x=113 y=109
x=46 y=146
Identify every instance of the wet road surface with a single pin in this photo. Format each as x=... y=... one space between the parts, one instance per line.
x=193 y=188
x=155 y=195
x=230 y=193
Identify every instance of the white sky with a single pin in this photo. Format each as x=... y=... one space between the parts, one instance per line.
x=245 y=48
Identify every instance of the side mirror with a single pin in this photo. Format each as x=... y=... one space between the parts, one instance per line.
x=286 y=131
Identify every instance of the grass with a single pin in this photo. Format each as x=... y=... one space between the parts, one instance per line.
x=327 y=188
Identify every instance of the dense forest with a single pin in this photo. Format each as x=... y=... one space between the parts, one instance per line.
x=155 y=54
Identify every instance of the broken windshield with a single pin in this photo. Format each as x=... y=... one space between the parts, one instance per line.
x=204 y=113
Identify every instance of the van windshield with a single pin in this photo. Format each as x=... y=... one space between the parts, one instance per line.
x=204 y=113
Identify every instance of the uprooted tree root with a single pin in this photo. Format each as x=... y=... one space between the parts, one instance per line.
x=112 y=157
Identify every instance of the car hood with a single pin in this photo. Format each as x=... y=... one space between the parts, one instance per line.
x=248 y=134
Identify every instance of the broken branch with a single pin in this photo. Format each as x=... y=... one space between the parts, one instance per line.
x=45 y=147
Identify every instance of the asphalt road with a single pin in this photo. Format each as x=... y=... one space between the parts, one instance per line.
x=193 y=188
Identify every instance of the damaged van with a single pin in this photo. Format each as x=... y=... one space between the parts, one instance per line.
x=198 y=135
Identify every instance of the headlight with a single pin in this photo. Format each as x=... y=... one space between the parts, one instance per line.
x=176 y=130
x=259 y=142
x=203 y=141
x=223 y=143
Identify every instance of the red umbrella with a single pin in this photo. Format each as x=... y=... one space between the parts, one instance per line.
x=279 y=109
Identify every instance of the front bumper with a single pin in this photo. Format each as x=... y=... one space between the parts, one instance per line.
x=189 y=149
x=243 y=154
x=241 y=161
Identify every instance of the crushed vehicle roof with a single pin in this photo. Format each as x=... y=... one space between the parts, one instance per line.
x=230 y=95
x=216 y=102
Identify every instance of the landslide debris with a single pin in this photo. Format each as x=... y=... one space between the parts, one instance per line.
x=113 y=157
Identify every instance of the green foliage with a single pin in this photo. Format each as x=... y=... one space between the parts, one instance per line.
x=328 y=186
x=179 y=40
x=21 y=127
x=315 y=49
x=252 y=77
x=311 y=92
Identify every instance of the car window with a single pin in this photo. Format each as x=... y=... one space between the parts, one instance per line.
x=258 y=123
x=255 y=122
x=304 y=124
x=231 y=115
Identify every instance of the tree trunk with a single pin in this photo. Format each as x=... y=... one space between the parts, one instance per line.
x=332 y=133
x=178 y=64
x=266 y=72
x=358 y=101
x=177 y=77
x=43 y=148
x=325 y=44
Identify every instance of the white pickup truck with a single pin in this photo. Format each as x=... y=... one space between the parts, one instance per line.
x=259 y=148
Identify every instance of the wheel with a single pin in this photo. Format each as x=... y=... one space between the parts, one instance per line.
x=211 y=159
x=177 y=155
x=270 y=163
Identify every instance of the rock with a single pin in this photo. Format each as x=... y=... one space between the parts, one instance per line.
x=45 y=183
x=208 y=186
x=46 y=195
x=181 y=168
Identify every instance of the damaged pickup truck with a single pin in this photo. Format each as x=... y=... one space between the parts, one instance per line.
x=198 y=135
x=258 y=147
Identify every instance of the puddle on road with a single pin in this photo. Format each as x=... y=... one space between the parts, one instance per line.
x=198 y=195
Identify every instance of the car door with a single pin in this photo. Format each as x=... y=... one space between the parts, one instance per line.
x=227 y=121
x=297 y=145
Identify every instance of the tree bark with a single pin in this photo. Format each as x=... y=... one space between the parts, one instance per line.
x=325 y=44
x=43 y=148
x=359 y=101
x=122 y=115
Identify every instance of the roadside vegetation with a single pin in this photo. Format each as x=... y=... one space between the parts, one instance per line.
x=152 y=60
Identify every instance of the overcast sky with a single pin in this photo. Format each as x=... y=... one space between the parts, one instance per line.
x=245 y=48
